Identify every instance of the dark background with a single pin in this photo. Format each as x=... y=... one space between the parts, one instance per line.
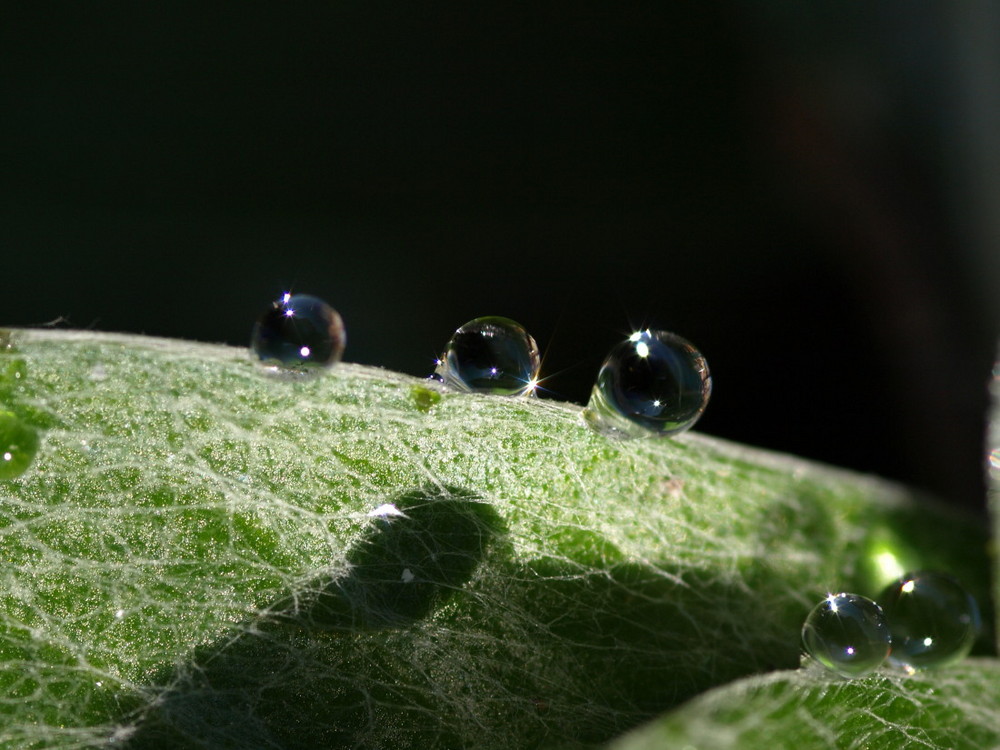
x=808 y=192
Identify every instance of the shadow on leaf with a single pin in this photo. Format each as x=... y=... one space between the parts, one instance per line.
x=438 y=636
x=420 y=550
x=299 y=660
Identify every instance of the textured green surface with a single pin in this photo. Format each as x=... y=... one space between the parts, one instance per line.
x=205 y=556
x=957 y=708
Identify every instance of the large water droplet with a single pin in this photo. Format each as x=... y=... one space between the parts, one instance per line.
x=18 y=445
x=491 y=355
x=299 y=333
x=847 y=634
x=653 y=383
x=933 y=619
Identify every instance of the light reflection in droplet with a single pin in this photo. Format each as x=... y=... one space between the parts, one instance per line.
x=934 y=621
x=654 y=383
x=298 y=334
x=847 y=634
x=491 y=355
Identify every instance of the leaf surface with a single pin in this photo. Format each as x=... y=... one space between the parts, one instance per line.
x=808 y=709
x=202 y=555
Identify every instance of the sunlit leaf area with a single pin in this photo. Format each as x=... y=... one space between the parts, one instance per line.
x=200 y=554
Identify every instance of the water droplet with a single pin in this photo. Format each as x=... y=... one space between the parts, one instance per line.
x=847 y=634
x=299 y=333
x=491 y=355
x=933 y=619
x=18 y=445
x=653 y=383
x=424 y=398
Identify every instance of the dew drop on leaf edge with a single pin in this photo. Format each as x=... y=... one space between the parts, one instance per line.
x=654 y=383
x=934 y=621
x=848 y=634
x=18 y=445
x=491 y=354
x=298 y=333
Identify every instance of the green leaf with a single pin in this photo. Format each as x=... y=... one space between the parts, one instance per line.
x=958 y=707
x=806 y=709
x=202 y=555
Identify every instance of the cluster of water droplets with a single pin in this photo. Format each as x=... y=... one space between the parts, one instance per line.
x=923 y=620
x=654 y=383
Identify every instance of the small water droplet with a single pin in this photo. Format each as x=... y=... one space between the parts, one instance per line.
x=848 y=634
x=933 y=620
x=653 y=383
x=6 y=341
x=424 y=398
x=491 y=355
x=298 y=333
x=18 y=445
